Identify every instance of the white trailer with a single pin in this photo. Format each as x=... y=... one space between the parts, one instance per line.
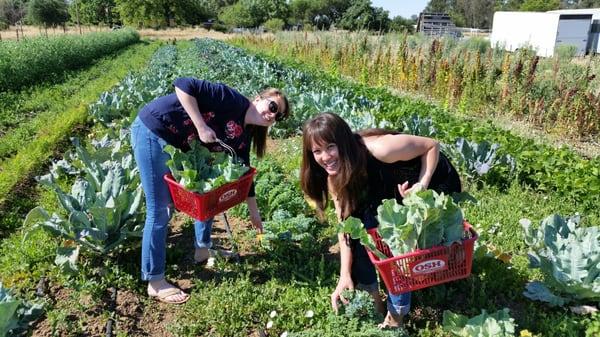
x=542 y=31
x=594 y=38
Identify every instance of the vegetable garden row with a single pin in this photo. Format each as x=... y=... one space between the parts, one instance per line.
x=282 y=285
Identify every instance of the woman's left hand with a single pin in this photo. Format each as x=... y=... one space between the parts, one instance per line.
x=404 y=189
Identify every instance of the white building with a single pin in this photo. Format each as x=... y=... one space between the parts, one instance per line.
x=543 y=31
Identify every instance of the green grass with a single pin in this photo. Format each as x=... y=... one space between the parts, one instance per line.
x=23 y=113
x=53 y=135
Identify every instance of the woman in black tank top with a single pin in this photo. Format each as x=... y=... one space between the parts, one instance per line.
x=358 y=171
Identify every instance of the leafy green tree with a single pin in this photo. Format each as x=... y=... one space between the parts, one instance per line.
x=320 y=13
x=400 y=24
x=93 y=12
x=540 y=5
x=145 y=13
x=12 y=11
x=48 y=13
x=274 y=25
x=236 y=16
x=361 y=15
x=438 y=6
x=253 y=13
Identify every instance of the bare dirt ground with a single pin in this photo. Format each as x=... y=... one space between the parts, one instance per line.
x=164 y=34
x=134 y=313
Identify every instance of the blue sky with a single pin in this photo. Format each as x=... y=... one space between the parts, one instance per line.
x=404 y=8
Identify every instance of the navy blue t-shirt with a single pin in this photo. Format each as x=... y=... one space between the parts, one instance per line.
x=222 y=108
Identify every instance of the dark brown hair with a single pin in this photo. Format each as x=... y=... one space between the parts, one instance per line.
x=259 y=133
x=328 y=128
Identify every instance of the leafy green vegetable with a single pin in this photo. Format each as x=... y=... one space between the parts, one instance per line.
x=568 y=256
x=498 y=324
x=360 y=305
x=426 y=219
x=15 y=315
x=200 y=170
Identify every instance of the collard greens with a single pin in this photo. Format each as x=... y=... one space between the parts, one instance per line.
x=425 y=220
x=199 y=170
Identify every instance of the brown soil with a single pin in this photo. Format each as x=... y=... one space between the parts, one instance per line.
x=135 y=313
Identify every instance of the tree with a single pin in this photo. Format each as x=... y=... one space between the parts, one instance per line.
x=48 y=13
x=361 y=15
x=540 y=5
x=236 y=16
x=253 y=13
x=400 y=24
x=93 y=12
x=438 y=6
x=145 y=13
x=321 y=13
x=12 y=11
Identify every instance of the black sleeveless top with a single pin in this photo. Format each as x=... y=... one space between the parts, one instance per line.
x=383 y=180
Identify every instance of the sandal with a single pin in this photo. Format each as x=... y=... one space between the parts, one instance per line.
x=163 y=296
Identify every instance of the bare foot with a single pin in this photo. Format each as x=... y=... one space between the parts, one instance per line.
x=392 y=321
x=166 y=292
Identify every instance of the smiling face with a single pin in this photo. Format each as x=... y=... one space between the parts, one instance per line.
x=327 y=156
x=269 y=109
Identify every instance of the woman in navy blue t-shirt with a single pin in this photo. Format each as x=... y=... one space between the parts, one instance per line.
x=204 y=111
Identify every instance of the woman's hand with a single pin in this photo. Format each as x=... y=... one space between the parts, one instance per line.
x=254 y=214
x=257 y=223
x=344 y=283
x=405 y=189
x=206 y=134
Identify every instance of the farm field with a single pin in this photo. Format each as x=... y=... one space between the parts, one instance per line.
x=75 y=285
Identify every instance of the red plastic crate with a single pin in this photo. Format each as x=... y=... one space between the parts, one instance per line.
x=206 y=205
x=425 y=267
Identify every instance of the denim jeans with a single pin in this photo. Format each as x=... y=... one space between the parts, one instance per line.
x=399 y=304
x=151 y=161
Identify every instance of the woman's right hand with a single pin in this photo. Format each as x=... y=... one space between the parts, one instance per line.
x=344 y=283
x=207 y=135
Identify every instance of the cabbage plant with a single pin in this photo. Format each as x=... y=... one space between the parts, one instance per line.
x=498 y=324
x=476 y=159
x=199 y=170
x=100 y=215
x=15 y=314
x=569 y=257
x=426 y=219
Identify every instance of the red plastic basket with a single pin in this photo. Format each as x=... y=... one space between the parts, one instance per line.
x=206 y=205
x=426 y=267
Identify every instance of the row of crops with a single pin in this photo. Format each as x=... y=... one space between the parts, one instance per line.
x=560 y=95
x=93 y=205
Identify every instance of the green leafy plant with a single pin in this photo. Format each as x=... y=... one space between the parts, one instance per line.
x=569 y=258
x=100 y=215
x=285 y=227
x=15 y=314
x=425 y=220
x=360 y=305
x=200 y=170
x=498 y=324
x=477 y=159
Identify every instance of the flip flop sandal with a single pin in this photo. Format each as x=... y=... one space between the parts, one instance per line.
x=163 y=296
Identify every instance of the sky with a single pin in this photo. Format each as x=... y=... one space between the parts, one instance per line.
x=404 y=8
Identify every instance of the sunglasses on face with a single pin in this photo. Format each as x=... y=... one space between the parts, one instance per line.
x=274 y=108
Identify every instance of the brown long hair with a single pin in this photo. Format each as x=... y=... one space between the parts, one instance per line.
x=350 y=181
x=258 y=133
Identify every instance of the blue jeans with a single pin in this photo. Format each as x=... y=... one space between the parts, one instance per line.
x=399 y=304
x=151 y=161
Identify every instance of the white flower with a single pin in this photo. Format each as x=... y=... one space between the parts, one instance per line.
x=269 y=324
x=309 y=314
x=273 y=314
x=283 y=334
